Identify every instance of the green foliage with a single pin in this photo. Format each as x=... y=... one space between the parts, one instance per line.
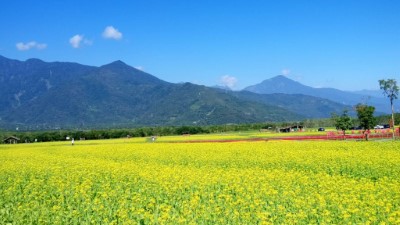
x=189 y=130
x=385 y=119
x=365 y=114
x=343 y=122
x=390 y=89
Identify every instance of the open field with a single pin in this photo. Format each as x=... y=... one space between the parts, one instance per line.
x=132 y=181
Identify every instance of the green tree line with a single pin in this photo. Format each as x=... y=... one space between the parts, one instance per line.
x=94 y=134
x=60 y=135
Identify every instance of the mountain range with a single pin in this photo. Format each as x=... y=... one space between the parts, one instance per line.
x=48 y=95
x=284 y=85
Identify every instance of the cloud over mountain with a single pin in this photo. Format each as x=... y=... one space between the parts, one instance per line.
x=228 y=81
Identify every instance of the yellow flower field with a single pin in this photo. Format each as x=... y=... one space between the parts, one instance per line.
x=130 y=181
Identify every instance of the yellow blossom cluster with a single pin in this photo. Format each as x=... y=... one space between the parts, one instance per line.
x=136 y=182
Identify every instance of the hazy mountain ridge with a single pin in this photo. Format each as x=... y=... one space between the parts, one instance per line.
x=305 y=105
x=372 y=93
x=284 y=85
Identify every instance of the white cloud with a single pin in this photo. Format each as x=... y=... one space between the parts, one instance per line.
x=111 y=33
x=29 y=45
x=228 y=81
x=77 y=40
x=285 y=72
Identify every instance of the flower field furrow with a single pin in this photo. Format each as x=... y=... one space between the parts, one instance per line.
x=123 y=182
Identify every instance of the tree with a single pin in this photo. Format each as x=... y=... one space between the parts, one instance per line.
x=390 y=90
x=365 y=114
x=343 y=122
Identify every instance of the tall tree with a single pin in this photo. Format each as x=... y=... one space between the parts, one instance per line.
x=390 y=90
x=365 y=114
x=343 y=122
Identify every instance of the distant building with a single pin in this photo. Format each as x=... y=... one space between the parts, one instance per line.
x=291 y=129
x=11 y=140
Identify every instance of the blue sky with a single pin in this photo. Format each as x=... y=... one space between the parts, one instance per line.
x=348 y=45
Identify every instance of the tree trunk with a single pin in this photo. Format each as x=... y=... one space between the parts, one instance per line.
x=393 y=130
x=366 y=135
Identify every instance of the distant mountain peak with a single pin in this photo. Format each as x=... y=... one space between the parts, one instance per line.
x=117 y=63
x=119 y=66
x=120 y=69
x=277 y=84
x=280 y=77
x=34 y=60
x=283 y=84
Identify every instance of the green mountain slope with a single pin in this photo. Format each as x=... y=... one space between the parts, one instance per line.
x=47 y=95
